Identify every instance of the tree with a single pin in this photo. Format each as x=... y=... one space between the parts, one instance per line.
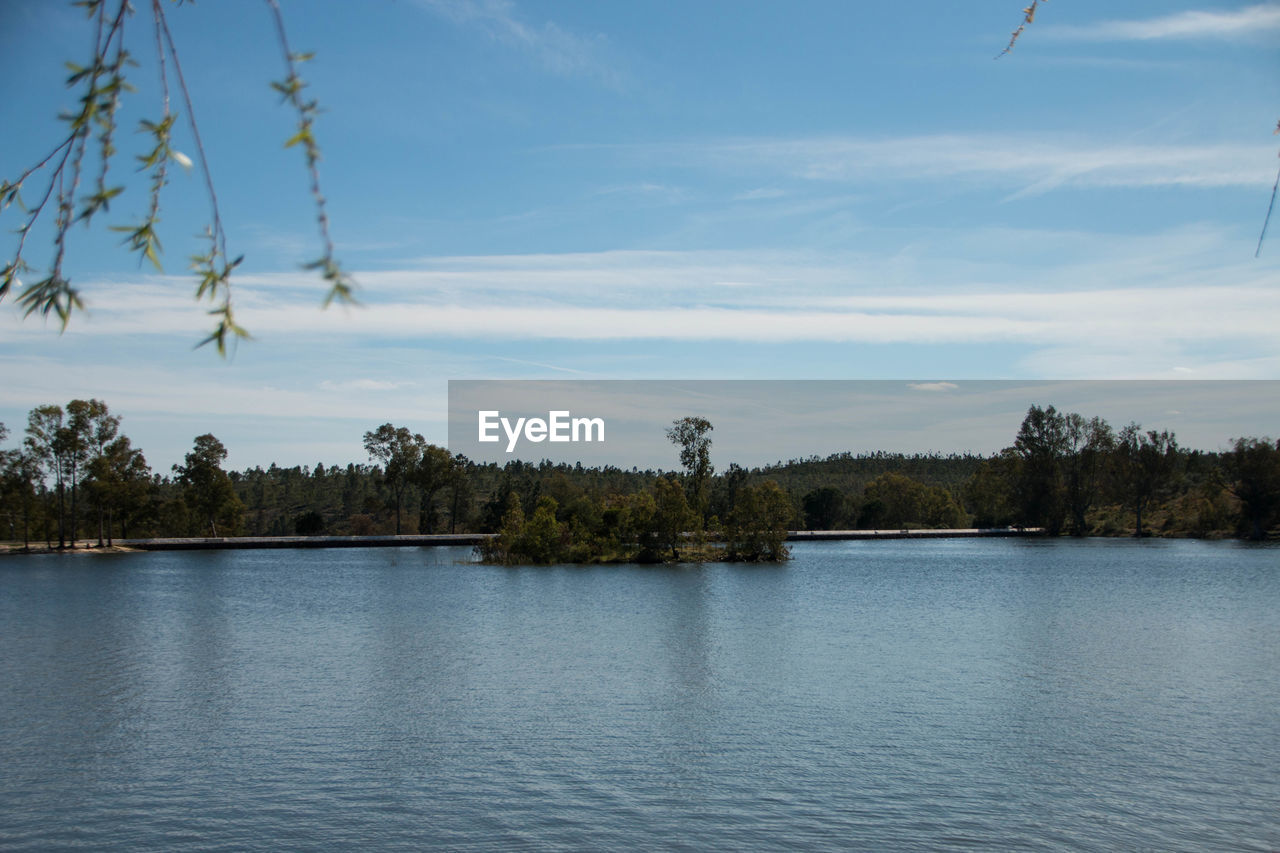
x=988 y=493
x=500 y=548
x=45 y=443
x=1087 y=446
x=19 y=474
x=1143 y=469
x=724 y=490
x=757 y=527
x=399 y=451
x=690 y=435
x=1253 y=466
x=90 y=428
x=120 y=480
x=459 y=487
x=207 y=488
x=83 y=159
x=309 y=524
x=823 y=508
x=538 y=539
x=895 y=501
x=672 y=518
x=432 y=473
x=1038 y=492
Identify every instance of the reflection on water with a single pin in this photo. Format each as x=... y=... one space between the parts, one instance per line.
x=1045 y=695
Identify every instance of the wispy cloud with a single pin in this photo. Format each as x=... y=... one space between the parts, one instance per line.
x=1139 y=294
x=760 y=193
x=1109 y=306
x=557 y=50
x=661 y=193
x=361 y=385
x=1035 y=163
x=1245 y=22
x=933 y=386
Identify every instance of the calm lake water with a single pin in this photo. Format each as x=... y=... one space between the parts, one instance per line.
x=1022 y=695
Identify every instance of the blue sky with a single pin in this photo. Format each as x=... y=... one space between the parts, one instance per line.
x=821 y=190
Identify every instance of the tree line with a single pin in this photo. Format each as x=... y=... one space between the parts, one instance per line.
x=75 y=476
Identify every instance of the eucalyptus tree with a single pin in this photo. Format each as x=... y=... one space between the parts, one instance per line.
x=20 y=473
x=1038 y=492
x=90 y=428
x=207 y=488
x=672 y=517
x=45 y=443
x=690 y=435
x=1253 y=469
x=460 y=491
x=399 y=451
x=432 y=473
x=1144 y=467
x=121 y=486
x=1087 y=447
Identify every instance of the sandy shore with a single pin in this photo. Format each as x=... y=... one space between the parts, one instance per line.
x=82 y=547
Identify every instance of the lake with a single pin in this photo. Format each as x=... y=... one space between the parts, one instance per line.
x=891 y=695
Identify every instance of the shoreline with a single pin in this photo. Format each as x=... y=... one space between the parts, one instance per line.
x=125 y=546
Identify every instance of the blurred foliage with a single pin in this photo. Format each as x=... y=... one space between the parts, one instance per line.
x=74 y=176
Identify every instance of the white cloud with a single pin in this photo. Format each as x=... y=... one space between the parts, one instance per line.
x=791 y=301
x=1035 y=163
x=1248 y=21
x=558 y=51
x=1190 y=302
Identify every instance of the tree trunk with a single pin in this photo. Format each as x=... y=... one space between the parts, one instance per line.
x=62 y=516
x=1078 y=527
x=75 y=517
x=426 y=514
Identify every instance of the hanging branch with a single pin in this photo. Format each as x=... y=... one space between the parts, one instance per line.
x=103 y=81
x=103 y=84
x=213 y=268
x=1270 y=206
x=341 y=286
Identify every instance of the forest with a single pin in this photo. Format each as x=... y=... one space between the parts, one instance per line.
x=75 y=477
